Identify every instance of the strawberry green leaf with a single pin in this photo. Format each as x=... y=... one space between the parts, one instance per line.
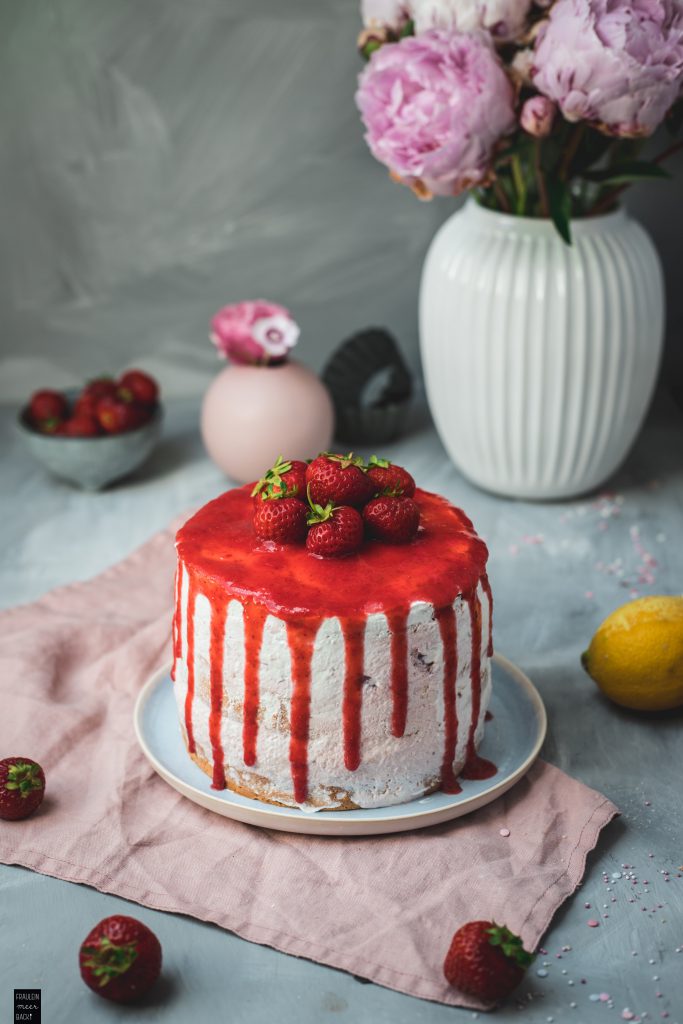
x=108 y=961
x=510 y=944
x=24 y=777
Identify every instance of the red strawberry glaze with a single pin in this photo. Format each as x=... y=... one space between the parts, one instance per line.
x=476 y=767
x=255 y=616
x=398 y=627
x=177 y=622
x=486 y=587
x=446 y=619
x=354 y=650
x=301 y=634
x=189 y=697
x=216 y=649
x=224 y=559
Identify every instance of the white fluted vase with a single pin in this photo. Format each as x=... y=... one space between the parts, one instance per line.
x=540 y=358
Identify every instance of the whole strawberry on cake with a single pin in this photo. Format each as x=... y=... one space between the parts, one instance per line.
x=332 y=637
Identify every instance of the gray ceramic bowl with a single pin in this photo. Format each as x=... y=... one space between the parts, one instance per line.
x=91 y=462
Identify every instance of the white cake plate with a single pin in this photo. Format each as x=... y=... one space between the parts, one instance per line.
x=512 y=741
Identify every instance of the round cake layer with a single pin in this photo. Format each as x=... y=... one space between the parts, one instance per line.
x=357 y=682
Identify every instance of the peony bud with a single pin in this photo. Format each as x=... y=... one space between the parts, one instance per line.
x=537 y=116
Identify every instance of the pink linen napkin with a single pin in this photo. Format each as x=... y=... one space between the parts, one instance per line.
x=385 y=908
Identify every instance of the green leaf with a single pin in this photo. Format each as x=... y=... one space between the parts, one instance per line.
x=626 y=172
x=560 y=202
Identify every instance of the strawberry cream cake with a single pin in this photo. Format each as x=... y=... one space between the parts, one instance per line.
x=332 y=637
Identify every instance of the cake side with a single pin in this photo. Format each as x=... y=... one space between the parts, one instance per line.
x=390 y=709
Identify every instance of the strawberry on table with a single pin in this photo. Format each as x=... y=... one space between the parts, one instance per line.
x=486 y=960
x=339 y=479
x=22 y=787
x=392 y=519
x=335 y=530
x=138 y=386
x=120 y=959
x=287 y=478
x=47 y=406
x=388 y=477
x=281 y=519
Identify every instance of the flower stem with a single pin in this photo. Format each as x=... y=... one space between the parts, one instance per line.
x=499 y=193
x=520 y=185
x=570 y=151
x=540 y=180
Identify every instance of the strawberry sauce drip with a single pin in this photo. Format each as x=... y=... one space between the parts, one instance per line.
x=301 y=636
x=447 y=627
x=486 y=587
x=189 y=696
x=476 y=767
x=398 y=627
x=177 y=622
x=223 y=558
x=255 y=616
x=216 y=652
x=352 y=708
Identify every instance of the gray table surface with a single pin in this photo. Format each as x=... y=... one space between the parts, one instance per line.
x=556 y=570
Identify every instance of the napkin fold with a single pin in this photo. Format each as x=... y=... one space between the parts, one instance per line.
x=384 y=908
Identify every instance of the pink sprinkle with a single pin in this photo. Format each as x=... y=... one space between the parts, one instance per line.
x=604 y=997
x=627 y=1014
x=504 y=832
x=593 y=924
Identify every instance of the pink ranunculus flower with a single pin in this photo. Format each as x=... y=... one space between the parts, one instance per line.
x=254 y=332
x=434 y=106
x=615 y=63
x=537 y=116
x=504 y=19
x=391 y=14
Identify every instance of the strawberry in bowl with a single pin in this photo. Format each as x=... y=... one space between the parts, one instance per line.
x=96 y=435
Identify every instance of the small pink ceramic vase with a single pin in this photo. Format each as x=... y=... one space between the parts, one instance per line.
x=263 y=405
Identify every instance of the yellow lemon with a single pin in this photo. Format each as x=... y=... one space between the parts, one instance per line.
x=636 y=655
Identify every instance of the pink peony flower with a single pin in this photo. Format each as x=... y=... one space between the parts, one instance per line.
x=434 y=107
x=615 y=63
x=254 y=332
x=391 y=14
x=504 y=19
x=537 y=115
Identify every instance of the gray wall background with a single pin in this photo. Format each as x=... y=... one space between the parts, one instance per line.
x=162 y=157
